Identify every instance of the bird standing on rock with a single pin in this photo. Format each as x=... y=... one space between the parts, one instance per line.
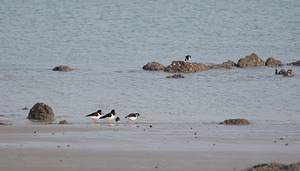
x=133 y=117
x=187 y=58
x=110 y=116
x=95 y=115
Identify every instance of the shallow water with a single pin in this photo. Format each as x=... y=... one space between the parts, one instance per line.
x=107 y=43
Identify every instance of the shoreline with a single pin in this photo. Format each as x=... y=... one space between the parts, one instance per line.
x=90 y=147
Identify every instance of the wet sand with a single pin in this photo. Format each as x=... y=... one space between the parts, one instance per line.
x=104 y=147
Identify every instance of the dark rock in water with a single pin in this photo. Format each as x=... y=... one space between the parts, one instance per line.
x=295 y=63
x=289 y=73
x=176 y=76
x=273 y=62
x=274 y=167
x=155 y=66
x=181 y=66
x=62 y=68
x=41 y=112
x=282 y=72
x=63 y=122
x=250 y=61
x=227 y=65
x=236 y=122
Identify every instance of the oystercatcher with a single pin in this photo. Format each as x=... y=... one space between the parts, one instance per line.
x=118 y=120
x=109 y=116
x=187 y=58
x=95 y=115
x=133 y=117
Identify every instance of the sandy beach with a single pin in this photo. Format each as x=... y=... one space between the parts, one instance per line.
x=124 y=147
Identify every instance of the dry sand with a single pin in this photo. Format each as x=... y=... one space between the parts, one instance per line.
x=93 y=147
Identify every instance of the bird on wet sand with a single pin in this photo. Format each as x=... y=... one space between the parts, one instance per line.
x=118 y=120
x=110 y=116
x=132 y=117
x=95 y=115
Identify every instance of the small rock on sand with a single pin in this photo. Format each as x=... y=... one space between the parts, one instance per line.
x=236 y=122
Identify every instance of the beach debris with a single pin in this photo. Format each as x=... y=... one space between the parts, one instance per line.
x=236 y=122
x=273 y=166
x=286 y=144
x=41 y=112
x=63 y=122
x=62 y=68
x=185 y=67
x=150 y=126
x=273 y=62
x=154 y=66
x=250 y=61
x=297 y=63
x=176 y=76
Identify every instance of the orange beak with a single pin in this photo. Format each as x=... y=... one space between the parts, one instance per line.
x=140 y=116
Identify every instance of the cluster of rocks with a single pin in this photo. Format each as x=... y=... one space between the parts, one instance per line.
x=187 y=67
x=273 y=166
x=236 y=122
x=288 y=73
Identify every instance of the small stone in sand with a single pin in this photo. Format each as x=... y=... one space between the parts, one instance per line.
x=287 y=144
x=281 y=138
x=150 y=126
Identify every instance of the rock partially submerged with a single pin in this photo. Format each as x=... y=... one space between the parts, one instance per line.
x=176 y=76
x=155 y=66
x=62 y=68
x=185 y=67
x=295 y=63
x=273 y=166
x=63 y=122
x=236 y=122
x=250 y=61
x=273 y=62
x=227 y=65
x=41 y=112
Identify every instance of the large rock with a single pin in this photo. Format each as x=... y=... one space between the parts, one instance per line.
x=273 y=62
x=62 y=68
x=181 y=66
x=250 y=61
x=227 y=65
x=274 y=167
x=236 y=122
x=41 y=112
x=295 y=63
x=154 y=66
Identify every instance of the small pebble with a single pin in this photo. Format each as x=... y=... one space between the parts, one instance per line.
x=281 y=138
x=34 y=132
x=150 y=126
x=287 y=144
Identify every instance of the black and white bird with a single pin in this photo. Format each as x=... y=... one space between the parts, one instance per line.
x=118 y=120
x=187 y=58
x=95 y=115
x=133 y=117
x=110 y=116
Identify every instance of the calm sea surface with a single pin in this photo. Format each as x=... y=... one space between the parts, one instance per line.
x=108 y=43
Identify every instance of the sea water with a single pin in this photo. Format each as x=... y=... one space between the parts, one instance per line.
x=108 y=42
